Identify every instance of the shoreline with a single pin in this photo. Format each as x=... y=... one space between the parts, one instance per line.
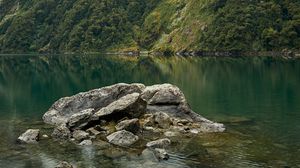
x=233 y=54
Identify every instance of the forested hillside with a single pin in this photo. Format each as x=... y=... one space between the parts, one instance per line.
x=164 y=25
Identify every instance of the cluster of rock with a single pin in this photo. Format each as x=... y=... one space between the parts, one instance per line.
x=122 y=114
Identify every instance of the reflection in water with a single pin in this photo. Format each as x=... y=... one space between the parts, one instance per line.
x=257 y=98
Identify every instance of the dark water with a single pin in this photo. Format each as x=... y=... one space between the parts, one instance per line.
x=258 y=99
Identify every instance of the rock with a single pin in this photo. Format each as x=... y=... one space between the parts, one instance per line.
x=30 y=136
x=80 y=135
x=132 y=125
x=45 y=136
x=86 y=142
x=130 y=105
x=162 y=95
x=93 y=131
x=65 y=107
x=64 y=164
x=161 y=154
x=162 y=119
x=61 y=132
x=79 y=120
x=122 y=138
x=161 y=143
x=170 y=134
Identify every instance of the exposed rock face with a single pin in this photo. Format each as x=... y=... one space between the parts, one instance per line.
x=122 y=138
x=30 y=136
x=132 y=125
x=161 y=143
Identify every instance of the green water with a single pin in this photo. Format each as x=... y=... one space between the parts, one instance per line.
x=258 y=99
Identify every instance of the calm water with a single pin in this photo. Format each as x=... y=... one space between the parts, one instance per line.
x=258 y=99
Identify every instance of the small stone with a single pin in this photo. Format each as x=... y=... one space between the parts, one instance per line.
x=161 y=143
x=122 y=138
x=86 y=142
x=93 y=131
x=45 y=136
x=162 y=119
x=170 y=134
x=194 y=131
x=161 y=154
x=132 y=125
x=30 y=136
x=80 y=135
x=61 y=132
x=64 y=164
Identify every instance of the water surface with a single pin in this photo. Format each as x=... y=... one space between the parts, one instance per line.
x=258 y=99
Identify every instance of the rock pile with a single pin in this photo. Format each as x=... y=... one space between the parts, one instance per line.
x=122 y=114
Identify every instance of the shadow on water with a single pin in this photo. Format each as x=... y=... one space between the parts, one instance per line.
x=257 y=98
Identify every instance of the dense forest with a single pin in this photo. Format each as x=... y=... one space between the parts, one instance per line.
x=163 y=25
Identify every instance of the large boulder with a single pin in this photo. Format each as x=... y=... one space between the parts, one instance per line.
x=62 y=109
x=30 y=136
x=130 y=105
x=122 y=138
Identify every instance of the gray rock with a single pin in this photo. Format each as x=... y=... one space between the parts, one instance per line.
x=61 y=132
x=132 y=125
x=161 y=154
x=130 y=104
x=30 y=136
x=80 y=135
x=162 y=119
x=163 y=94
x=65 y=107
x=161 y=143
x=122 y=138
x=93 y=131
x=64 y=164
x=86 y=142
x=79 y=120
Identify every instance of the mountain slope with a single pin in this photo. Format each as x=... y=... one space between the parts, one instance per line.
x=163 y=25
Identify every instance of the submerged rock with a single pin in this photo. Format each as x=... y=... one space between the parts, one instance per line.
x=30 y=136
x=122 y=138
x=64 y=164
x=161 y=143
x=161 y=154
x=86 y=142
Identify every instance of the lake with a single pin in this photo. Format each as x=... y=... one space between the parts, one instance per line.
x=258 y=100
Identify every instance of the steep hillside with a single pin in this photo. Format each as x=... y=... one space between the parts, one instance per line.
x=164 y=25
